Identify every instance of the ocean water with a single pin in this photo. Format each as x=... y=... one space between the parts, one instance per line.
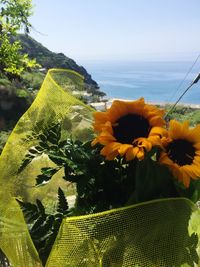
x=155 y=81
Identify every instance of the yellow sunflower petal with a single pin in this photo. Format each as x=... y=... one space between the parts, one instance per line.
x=176 y=172
x=185 y=125
x=194 y=135
x=140 y=154
x=131 y=153
x=95 y=141
x=164 y=159
x=196 y=159
x=123 y=149
x=110 y=148
x=117 y=110
x=106 y=132
x=104 y=140
x=181 y=131
x=155 y=140
x=100 y=119
x=143 y=142
x=196 y=146
x=197 y=154
x=109 y=136
x=156 y=121
x=107 y=128
x=136 y=106
x=158 y=131
x=178 y=130
x=174 y=129
x=100 y=116
x=185 y=180
x=112 y=155
x=193 y=171
x=165 y=141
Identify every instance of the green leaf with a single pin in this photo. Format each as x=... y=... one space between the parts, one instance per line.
x=43 y=137
x=62 y=202
x=152 y=181
x=54 y=134
x=25 y=163
x=43 y=145
x=30 y=211
x=192 y=192
x=39 y=149
x=41 y=208
x=43 y=227
x=38 y=222
x=46 y=175
x=33 y=152
x=57 y=159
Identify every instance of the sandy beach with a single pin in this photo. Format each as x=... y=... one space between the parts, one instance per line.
x=106 y=104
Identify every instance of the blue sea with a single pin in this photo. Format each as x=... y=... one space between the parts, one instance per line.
x=155 y=81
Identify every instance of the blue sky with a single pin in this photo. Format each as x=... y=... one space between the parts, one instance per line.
x=119 y=29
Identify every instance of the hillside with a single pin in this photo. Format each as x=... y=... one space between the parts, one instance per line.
x=48 y=59
x=16 y=95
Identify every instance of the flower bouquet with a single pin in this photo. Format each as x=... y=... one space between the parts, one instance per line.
x=135 y=182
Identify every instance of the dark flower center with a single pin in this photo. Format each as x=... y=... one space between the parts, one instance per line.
x=130 y=127
x=181 y=152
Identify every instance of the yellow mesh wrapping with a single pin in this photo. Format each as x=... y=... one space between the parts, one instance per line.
x=15 y=240
x=157 y=233
x=52 y=104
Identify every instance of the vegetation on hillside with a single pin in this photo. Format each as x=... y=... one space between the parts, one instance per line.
x=20 y=91
x=14 y=16
x=24 y=63
x=184 y=113
x=48 y=60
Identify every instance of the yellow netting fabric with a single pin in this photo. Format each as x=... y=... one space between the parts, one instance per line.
x=15 y=240
x=52 y=104
x=158 y=233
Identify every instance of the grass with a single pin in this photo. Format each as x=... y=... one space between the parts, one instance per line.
x=183 y=113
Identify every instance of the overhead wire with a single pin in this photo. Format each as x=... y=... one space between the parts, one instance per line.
x=193 y=82
x=184 y=78
x=181 y=83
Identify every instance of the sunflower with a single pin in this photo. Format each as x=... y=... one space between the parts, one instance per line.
x=182 y=151
x=129 y=129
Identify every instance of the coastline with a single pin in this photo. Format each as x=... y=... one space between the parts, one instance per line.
x=105 y=104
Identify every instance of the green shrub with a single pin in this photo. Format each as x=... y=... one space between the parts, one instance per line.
x=3 y=139
x=4 y=82
x=183 y=113
x=33 y=80
x=22 y=93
